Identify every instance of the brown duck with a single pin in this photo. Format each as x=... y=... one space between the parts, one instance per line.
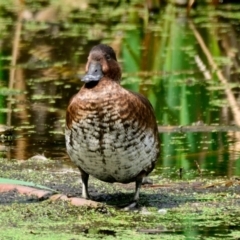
x=111 y=133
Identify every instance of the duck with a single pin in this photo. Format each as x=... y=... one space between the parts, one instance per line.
x=111 y=133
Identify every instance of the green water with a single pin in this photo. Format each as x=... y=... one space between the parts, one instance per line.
x=161 y=57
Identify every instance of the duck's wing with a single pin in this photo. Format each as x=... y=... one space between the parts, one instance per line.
x=76 y=110
x=138 y=108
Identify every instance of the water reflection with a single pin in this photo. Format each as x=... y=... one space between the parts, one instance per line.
x=161 y=58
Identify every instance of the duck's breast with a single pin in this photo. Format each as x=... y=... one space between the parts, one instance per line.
x=109 y=139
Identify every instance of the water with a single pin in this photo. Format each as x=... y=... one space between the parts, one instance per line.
x=161 y=57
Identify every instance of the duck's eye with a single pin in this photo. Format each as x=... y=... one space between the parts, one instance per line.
x=108 y=57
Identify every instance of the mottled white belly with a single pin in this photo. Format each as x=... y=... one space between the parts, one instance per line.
x=112 y=152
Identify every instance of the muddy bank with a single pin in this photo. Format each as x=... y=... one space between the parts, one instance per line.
x=171 y=209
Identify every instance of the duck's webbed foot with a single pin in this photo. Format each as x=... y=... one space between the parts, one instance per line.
x=130 y=206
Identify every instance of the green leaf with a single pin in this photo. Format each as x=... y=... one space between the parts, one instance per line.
x=24 y=183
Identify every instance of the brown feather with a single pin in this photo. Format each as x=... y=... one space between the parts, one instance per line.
x=111 y=133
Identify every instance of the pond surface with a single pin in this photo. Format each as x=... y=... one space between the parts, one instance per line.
x=187 y=67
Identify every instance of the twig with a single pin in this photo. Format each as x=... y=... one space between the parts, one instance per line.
x=230 y=96
x=203 y=68
x=198 y=168
x=15 y=52
x=180 y=173
x=197 y=128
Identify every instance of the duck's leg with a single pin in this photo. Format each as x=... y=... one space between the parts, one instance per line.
x=132 y=205
x=84 y=177
x=137 y=188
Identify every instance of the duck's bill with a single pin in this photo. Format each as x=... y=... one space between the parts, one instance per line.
x=94 y=73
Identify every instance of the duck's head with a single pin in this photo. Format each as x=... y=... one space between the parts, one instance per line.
x=102 y=63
